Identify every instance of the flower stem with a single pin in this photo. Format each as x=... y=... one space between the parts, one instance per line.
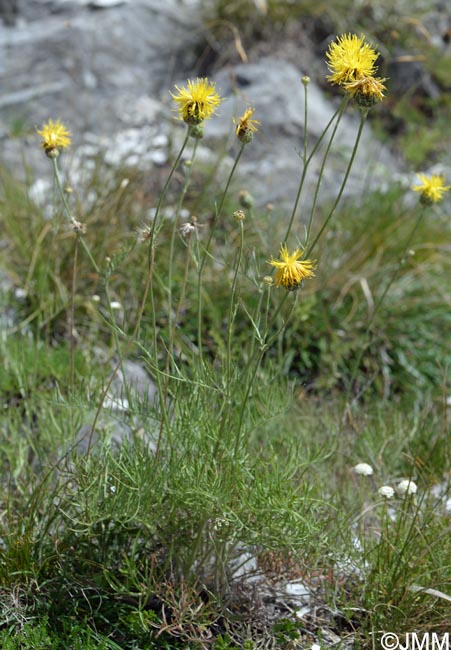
x=81 y=239
x=258 y=360
x=69 y=214
x=304 y=171
x=71 y=319
x=305 y=123
x=342 y=108
x=141 y=308
x=172 y=242
x=343 y=185
x=60 y=189
x=206 y=250
x=173 y=327
x=232 y=310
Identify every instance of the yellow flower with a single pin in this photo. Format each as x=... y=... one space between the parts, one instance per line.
x=432 y=189
x=350 y=59
x=290 y=270
x=55 y=136
x=197 y=102
x=245 y=126
x=367 y=91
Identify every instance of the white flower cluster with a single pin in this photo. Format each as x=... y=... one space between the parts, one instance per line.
x=386 y=491
x=406 y=487
x=363 y=469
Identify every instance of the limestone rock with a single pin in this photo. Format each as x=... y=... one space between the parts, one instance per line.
x=99 y=71
x=272 y=163
x=106 y=68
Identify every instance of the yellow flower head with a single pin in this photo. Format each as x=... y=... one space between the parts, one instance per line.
x=350 y=59
x=246 y=127
x=197 y=102
x=55 y=136
x=290 y=270
x=367 y=91
x=432 y=189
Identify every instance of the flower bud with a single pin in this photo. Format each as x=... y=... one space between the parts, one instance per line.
x=244 y=135
x=196 y=131
x=52 y=153
x=246 y=199
x=246 y=127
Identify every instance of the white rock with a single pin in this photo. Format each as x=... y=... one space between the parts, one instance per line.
x=40 y=191
x=105 y=4
x=297 y=589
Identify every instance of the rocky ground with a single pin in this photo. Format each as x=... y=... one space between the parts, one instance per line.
x=105 y=67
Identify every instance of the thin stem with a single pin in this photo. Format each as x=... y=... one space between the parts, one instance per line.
x=257 y=319
x=161 y=389
x=60 y=190
x=182 y=291
x=174 y=230
x=268 y=323
x=323 y=165
x=71 y=318
x=304 y=171
x=93 y=262
x=141 y=308
x=88 y=252
x=169 y=354
x=151 y=253
x=168 y=180
x=343 y=184
x=268 y=303
x=305 y=122
x=258 y=230
x=69 y=214
x=232 y=309
x=221 y=205
x=253 y=357
x=276 y=313
x=260 y=356
x=207 y=247
x=112 y=324
x=127 y=347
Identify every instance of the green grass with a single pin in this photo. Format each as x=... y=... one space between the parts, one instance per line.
x=132 y=537
x=264 y=406
x=126 y=535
